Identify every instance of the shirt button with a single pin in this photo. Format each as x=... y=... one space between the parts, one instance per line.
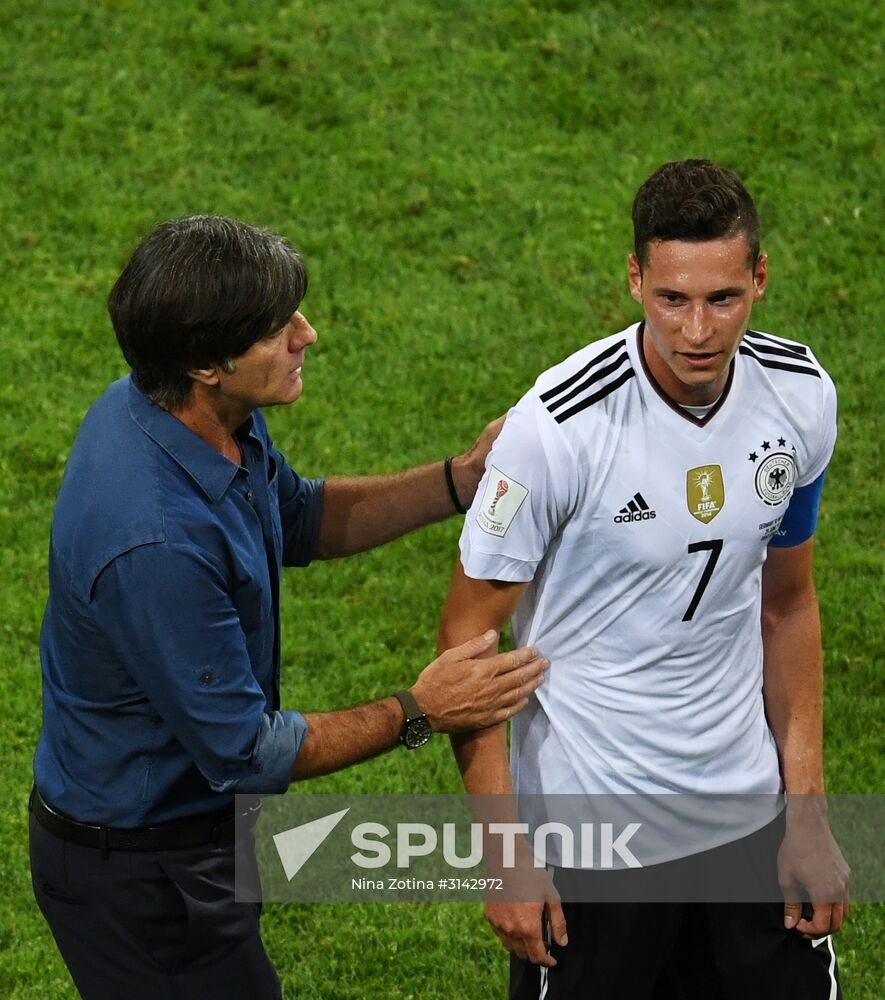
x=249 y=495
x=206 y=677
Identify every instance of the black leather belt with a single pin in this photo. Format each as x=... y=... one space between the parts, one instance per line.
x=214 y=828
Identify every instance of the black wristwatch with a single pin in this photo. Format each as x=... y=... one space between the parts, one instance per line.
x=416 y=729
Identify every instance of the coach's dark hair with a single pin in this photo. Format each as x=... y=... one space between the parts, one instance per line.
x=693 y=200
x=197 y=292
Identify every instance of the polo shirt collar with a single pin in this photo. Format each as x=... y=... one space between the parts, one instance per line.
x=209 y=469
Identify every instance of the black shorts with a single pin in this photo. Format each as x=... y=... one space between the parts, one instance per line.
x=680 y=951
x=622 y=947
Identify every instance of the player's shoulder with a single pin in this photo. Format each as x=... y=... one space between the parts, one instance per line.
x=782 y=360
x=586 y=377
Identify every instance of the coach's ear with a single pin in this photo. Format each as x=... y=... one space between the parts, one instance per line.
x=205 y=376
x=634 y=277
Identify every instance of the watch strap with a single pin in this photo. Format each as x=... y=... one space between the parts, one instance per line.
x=410 y=707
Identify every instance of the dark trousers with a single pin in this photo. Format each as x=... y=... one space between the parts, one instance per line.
x=163 y=925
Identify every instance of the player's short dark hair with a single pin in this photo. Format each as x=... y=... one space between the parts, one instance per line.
x=197 y=292
x=693 y=200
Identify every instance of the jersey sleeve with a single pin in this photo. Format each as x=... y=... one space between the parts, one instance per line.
x=528 y=490
x=822 y=451
x=800 y=521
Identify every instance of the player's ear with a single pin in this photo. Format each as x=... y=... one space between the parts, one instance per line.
x=634 y=277
x=760 y=276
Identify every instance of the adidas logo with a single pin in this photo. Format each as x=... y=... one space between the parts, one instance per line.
x=636 y=510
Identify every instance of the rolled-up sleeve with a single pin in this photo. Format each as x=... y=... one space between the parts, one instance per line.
x=280 y=735
x=167 y=612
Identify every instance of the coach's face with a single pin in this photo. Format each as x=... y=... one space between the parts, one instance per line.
x=269 y=373
x=697 y=299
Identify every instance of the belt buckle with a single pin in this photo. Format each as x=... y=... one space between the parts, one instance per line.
x=249 y=815
x=246 y=818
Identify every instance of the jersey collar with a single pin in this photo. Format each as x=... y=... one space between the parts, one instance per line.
x=652 y=381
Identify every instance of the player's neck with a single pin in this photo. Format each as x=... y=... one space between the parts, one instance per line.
x=700 y=411
x=684 y=394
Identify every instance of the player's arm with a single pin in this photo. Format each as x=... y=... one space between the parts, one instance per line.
x=793 y=696
x=482 y=756
x=793 y=666
x=364 y=511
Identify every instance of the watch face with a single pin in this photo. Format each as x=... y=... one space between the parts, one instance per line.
x=418 y=732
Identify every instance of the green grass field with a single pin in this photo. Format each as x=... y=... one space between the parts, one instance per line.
x=459 y=176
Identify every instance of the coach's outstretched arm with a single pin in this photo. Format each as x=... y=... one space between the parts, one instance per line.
x=364 y=511
x=465 y=688
x=482 y=758
x=809 y=859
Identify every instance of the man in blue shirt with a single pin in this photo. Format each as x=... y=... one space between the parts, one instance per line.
x=161 y=639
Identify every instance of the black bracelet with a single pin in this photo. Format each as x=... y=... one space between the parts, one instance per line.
x=450 y=482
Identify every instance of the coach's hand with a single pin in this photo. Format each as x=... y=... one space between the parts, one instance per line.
x=461 y=691
x=467 y=469
x=520 y=926
x=810 y=864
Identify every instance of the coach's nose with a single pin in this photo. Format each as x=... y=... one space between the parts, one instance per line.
x=302 y=333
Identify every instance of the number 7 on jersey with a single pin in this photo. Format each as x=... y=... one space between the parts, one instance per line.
x=714 y=547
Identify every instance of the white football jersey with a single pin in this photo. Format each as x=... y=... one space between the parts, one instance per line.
x=643 y=531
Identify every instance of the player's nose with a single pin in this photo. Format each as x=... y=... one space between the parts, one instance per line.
x=697 y=327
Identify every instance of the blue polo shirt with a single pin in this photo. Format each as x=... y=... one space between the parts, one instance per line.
x=161 y=638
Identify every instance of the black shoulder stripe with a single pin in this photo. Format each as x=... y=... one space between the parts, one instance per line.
x=601 y=394
x=785 y=344
x=595 y=377
x=556 y=390
x=784 y=352
x=766 y=363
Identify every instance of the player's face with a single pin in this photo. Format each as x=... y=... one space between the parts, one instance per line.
x=697 y=299
x=269 y=373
